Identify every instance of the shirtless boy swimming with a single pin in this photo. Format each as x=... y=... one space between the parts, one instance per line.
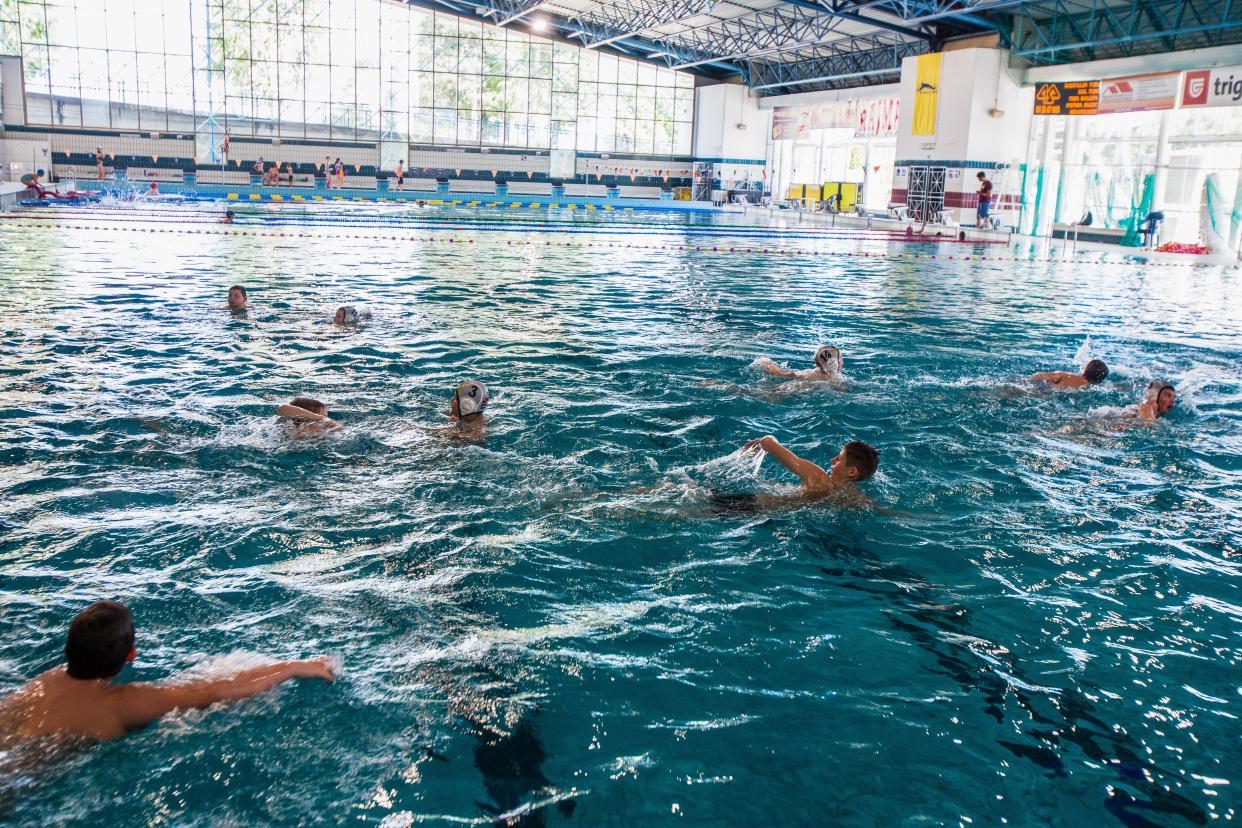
x=309 y=416
x=1095 y=372
x=81 y=699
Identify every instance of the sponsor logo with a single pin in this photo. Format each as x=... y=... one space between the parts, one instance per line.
x=1196 y=91
x=1048 y=94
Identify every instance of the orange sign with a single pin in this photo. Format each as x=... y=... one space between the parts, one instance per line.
x=1067 y=98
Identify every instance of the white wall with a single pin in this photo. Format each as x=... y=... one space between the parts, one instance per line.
x=12 y=107
x=1120 y=67
x=857 y=93
x=983 y=120
x=719 y=110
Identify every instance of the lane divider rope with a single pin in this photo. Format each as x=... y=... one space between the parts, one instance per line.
x=591 y=245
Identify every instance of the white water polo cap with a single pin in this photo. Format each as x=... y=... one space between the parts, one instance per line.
x=828 y=358
x=349 y=315
x=471 y=398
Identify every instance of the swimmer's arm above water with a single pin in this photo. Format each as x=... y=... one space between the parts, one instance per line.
x=141 y=704
x=770 y=367
x=807 y=471
x=292 y=412
x=1053 y=377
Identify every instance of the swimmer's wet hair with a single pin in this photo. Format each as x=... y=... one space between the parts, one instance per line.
x=862 y=457
x=100 y=640
x=242 y=289
x=308 y=404
x=1096 y=371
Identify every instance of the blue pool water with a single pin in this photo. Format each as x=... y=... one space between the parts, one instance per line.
x=1040 y=624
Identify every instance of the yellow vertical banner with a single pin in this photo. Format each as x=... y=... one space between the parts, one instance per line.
x=926 y=94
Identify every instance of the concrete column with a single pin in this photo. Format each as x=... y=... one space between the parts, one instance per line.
x=982 y=119
x=1069 y=148
x=866 y=170
x=1162 y=162
x=1044 y=183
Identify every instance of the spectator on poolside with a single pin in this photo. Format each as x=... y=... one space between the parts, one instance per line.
x=400 y=174
x=289 y=173
x=99 y=163
x=985 y=201
x=259 y=167
x=309 y=416
x=1095 y=372
x=80 y=699
x=340 y=174
x=238 y=298
x=327 y=170
x=31 y=180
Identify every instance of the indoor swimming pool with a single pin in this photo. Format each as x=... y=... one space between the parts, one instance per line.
x=1035 y=622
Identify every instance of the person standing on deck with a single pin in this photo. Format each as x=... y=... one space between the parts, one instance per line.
x=985 y=202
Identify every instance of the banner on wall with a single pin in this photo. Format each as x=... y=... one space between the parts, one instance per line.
x=1139 y=93
x=1213 y=87
x=926 y=94
x=872 y=118
x=1068 y=98
x=790 y=122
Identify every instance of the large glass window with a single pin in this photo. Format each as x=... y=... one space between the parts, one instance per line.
x=10 y=32
x=369 y=70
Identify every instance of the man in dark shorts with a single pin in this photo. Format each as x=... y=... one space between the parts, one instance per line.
x=985 y=202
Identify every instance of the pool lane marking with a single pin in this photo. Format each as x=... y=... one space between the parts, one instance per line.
x=609 y=246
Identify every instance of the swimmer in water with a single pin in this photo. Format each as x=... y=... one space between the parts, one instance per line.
x=228 y=218
x=466 y=409
x=80 y=699
x=855 y=463
x=1094 y=373
x=238 y=299
x=828 y=366
x=309 y=416
x=349 y=315
x=1158 y=401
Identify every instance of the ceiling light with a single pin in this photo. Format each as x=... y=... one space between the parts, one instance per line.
x=538 y=24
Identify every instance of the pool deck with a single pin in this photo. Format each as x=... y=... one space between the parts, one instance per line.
x=244 y=194
x=10 y=194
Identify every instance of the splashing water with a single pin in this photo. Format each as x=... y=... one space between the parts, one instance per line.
x=1051 y=641
x=1085 y=353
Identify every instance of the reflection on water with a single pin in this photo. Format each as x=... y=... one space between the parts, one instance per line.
x=1037 y=627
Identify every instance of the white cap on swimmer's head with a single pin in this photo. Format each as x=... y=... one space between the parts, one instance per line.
x=346 y=315
x=471 y=398
x=828 y=358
